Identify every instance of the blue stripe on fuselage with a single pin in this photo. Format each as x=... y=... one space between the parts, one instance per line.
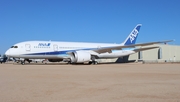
x=57 y=52
x=51 y=53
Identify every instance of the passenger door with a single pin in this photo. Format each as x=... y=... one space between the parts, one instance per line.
x=55 y=47
x=28 y=47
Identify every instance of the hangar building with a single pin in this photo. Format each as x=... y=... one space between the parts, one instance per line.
x=165 y=53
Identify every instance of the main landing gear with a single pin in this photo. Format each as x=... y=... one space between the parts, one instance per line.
x=23 y=62
x=93 y=62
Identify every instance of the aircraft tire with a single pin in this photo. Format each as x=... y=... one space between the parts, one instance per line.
x=22 y=62
x=95 y=62
x=90 y=62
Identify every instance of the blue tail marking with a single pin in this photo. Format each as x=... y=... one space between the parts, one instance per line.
x=131 y=39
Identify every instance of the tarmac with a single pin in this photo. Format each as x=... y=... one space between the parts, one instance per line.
x=132 y=82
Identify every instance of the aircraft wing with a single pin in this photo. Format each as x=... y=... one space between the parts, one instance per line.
x=151 y=43
x=108 y=49
x=147 y=48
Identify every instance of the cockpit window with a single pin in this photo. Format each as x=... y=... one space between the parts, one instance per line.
x=15 y=46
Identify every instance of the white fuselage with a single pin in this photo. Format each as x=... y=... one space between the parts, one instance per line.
x=56 y=50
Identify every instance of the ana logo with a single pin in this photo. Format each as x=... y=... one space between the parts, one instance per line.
x=44 y=44
x=133 y=35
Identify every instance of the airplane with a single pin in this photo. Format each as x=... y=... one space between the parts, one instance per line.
x=78 y=52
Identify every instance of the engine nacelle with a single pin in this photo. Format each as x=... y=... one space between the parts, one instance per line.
x=55 y=60
x=80 y=57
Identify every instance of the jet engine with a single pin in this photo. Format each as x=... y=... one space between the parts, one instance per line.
x=80 y=57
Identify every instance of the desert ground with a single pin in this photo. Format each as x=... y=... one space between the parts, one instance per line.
x=90 y=83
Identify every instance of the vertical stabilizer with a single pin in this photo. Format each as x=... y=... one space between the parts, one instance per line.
x=131 y=39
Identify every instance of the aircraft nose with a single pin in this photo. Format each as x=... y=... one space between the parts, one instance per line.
x=7 y=53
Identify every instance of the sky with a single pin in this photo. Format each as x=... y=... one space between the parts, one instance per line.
x=105 y=21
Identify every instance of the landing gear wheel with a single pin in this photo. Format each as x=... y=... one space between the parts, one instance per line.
x=90 y=62
x=94 y=62
x=22 y=62
x=69 y=62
